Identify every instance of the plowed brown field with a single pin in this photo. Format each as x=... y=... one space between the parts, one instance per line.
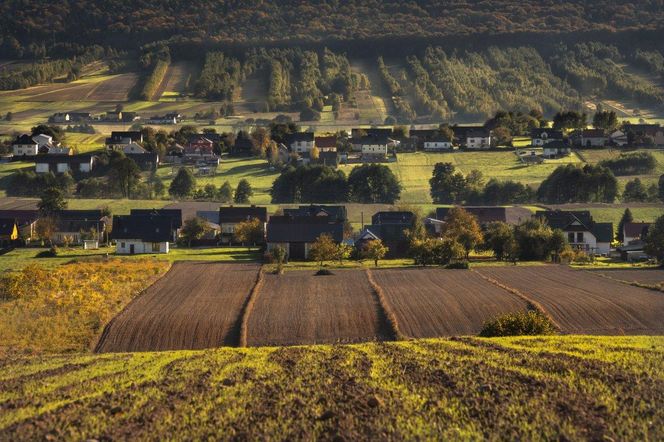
x=300 y=308
x=435 y=302
x=194 y=306
x=582 y=302
x=642 y=276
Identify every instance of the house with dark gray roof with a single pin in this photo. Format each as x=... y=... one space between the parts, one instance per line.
x=229 y=217
x=174 y=215
x=390 y=228
x=634 y=231
x=545 y=135
x=296 y=234
x=333 y=213
x=581 y=231
x=144 y=233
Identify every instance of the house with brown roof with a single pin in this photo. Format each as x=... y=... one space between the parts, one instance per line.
x=581 y=231
x=296 y=234
x=326 y=143
x=489 y=214
x=229 y=217
x=634 y=231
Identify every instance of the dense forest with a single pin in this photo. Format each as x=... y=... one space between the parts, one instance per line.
x=29 y=24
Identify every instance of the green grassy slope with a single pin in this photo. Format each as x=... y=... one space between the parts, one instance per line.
x=565 y=388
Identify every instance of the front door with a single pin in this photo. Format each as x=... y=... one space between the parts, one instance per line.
x=131 y=249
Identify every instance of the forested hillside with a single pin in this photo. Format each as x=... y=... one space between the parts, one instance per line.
x=34 y=26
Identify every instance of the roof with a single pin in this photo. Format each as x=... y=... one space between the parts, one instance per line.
x=174 y=214
x=577 y=221
x=7 y=226
x=478 y=133
x=424 y=133
x=92 y=215
x=633 y=229
x=63 y=158
x=389 y=232
x=489 y=214
x=396 y=217
x=556 y=144
x=550 y=133
x=24 y=139
x=645 y=129
x=593 y=133
x=300 y=136
x=21 y=216
x=603 y=232
x=462 y=131
x=209 y=215
x=374 y=139
x=337 y=213
x=326 y=142
x=302 y=229
x=148 y=228
x=118 y=136
x=372 y=131
x=239 y=214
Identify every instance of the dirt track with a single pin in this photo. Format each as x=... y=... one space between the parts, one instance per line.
x=194 y=306
x=583 y=303
x=434 y=302
x=300 y=308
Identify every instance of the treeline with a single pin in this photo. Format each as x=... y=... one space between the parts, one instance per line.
x=403 y=110
x=47 y=71
x=131 y=24
x=637 y=163
x=594 y=68
x=369 y=183
x=219 y=78
x=566 y=184
x=155 y=66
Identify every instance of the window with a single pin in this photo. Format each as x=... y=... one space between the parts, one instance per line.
x=570 y=237
x=579 y=237
x=122 y=245
x=155 y=247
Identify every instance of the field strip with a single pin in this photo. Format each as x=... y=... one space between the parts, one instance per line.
x=534 y=305
x=249 y=306
x=107 y=327
x=386 y=307
x=633 y=283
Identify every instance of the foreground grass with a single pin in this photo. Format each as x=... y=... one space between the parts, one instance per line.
x=65 y=309
x=553 y=388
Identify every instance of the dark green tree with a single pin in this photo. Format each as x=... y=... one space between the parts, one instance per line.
x=183 y=184
x=446 y=185
x=626 y=218
x=654 y=241
x=243 y=192
x=225 y=193
x=373 y=183
x=52 y=200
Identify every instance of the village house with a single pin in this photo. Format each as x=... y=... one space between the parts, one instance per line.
x=24 y=145
x=390 y=228
x=26 y=221
x=141 y=233
x=590 y=138
x=556 y=149
x=230 y=217
x=478 y=139
x=543 y=136
x=326 y=144
x=53 y=150
x=119 y=139
x=70 y=117
x=653 y=131
x=418 y=137
x=121 y=117
x=438 y=143
x=374 y=145
x=331 y=213
x=296 y=234
x=170 y=118
x=8 y=232
x=199 y=147
x=300 y=142
x=618 y=138
x=581 y=231
x=174 y=215
x=634 y=231
x=44 y=140
x=74 y=226
x=83 y=163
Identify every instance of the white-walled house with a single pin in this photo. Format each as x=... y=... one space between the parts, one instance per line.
x=301 y=142
x=438 y=143
x=139 y=234
x=543 y=136
x=64 y=163
x=478 y=139
x=634 y=231
x=43 y=140
x=133 y=148
x=24 y=145
x=556 y=149
x=580 y=230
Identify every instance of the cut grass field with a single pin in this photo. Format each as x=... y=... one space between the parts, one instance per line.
x=542 y=388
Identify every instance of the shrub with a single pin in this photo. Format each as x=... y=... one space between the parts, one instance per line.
x=518 y=324
x=50 y=253
x=324 y=272
x=458 y=265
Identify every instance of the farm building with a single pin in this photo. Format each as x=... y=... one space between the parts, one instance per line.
x=8 y=232
x=634 y=231
x=543 y=136
x=473 y=137
x=229 y=217
x=438 y=143
x=199 y=147
x=581 y=231
x=145 y=233
x=70 y=117
x=296 y=234
x=174 y=215
x=590 y=138
x=24 y=145
x=74 y=226
x=55 y=150
x=83 y=163
x=326 y=144
x=635 y=131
